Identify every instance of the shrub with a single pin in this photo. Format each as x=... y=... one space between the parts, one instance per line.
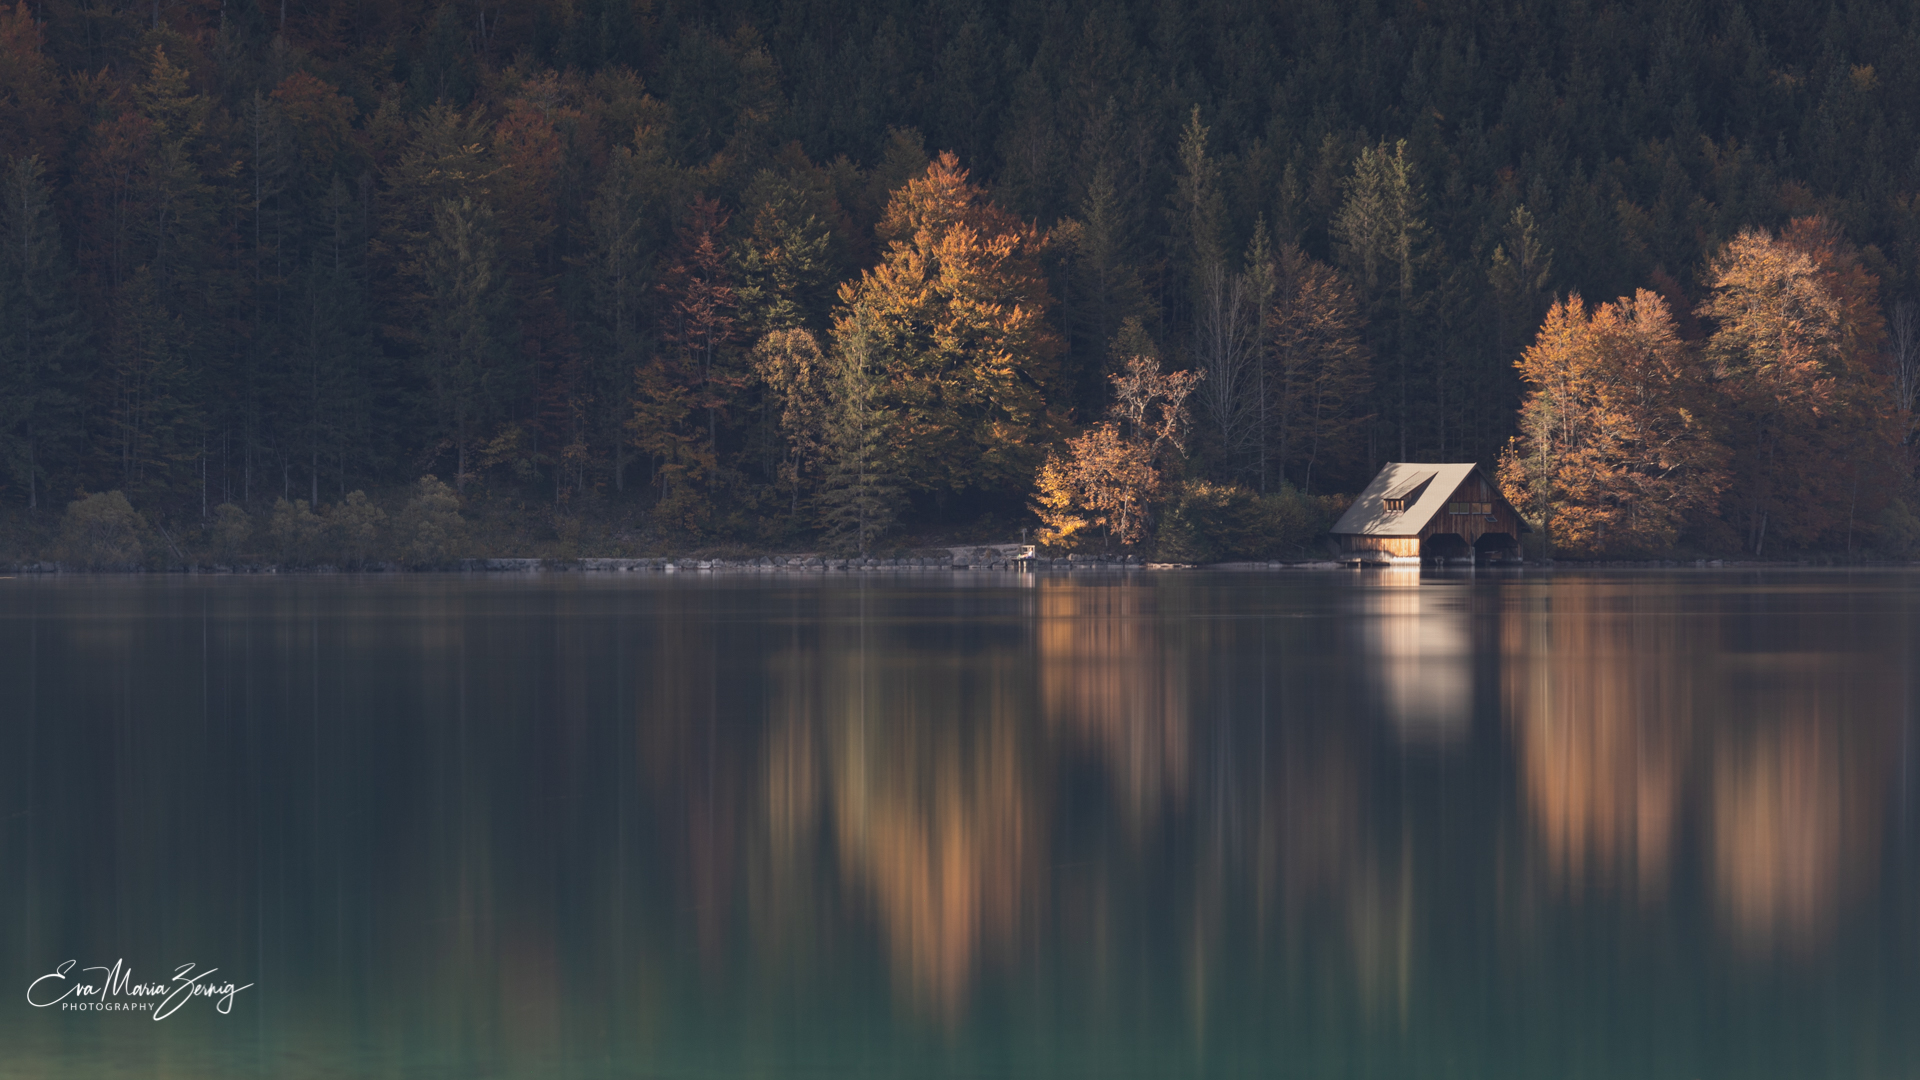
x=295 y=531
x=1899 y=528
x=103 y=532
x=429 y=530
x=1210 y=522
x=353 y=528
x=228 y=532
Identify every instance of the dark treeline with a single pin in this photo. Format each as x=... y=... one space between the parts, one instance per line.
x=713 y=262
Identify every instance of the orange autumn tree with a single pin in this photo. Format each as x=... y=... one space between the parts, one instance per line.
x=682 y=393
x=1616 y=450
x=1111 y=477
x=1796 y=346
x=957 y=313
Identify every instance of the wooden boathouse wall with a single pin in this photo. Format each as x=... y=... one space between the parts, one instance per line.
x=1474 y=510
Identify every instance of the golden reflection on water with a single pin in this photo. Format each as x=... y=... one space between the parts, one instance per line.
x=1797 y=796
x=930 y=780
x=1167 y=801
x=1641 y=735
x=920 y=768
x=1111 y=683
x=1600 y=709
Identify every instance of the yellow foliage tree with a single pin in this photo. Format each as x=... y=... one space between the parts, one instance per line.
x=1796 y=347
x=958 y=310
x=793 y=371
x=1112 y=475
x=1617 y=450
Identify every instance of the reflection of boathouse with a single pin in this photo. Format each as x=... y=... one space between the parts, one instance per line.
x=1416 y=511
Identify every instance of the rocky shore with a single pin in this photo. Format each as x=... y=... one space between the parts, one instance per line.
x=1009 y=557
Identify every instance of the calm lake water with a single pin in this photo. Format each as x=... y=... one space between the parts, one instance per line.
x=1297 y=825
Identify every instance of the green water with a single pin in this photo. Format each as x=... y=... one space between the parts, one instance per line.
x=1293 y=825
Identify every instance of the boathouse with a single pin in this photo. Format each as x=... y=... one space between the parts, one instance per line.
x=1415 y=511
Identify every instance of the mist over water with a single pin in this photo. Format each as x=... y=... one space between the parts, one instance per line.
x=1357 y=825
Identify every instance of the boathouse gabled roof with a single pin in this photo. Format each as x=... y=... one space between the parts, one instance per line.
x=1423 y=490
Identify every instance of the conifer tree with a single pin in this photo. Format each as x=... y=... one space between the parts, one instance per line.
x=39 y=331
x=1381 y=236
x=1105 y=288
x=624 y=238
x=862 y=493
x=1519 y=271
x=153 y=418
x=181 y=320
x=1197 y=243
x=687 y=387
x=469 y=368
x=1321 y=372
x=340 y=403
x=1261 y=282
x=785 y=263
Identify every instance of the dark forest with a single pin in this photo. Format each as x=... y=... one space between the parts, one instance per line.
x=853 y=274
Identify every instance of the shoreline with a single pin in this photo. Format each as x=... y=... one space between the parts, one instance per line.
x=986 y=558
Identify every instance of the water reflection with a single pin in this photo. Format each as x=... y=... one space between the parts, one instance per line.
x=1419 y=644
x=1644 y=735
x=933 y=817
x=1173 y=824
x=1798 y=795
x=1601 y=708
x=1110 y=682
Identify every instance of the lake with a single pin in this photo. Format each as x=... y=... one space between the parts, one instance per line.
x=1380 y=824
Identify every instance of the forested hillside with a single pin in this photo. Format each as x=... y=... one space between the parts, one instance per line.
x=766 y=270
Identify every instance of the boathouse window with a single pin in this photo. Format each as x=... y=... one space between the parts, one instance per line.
x=1397 y=501
x=1464 y=509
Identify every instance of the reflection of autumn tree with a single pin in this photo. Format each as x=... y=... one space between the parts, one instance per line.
x=697 y=777
x=1796 y=802
x=1622 y=723
x=936 y=823
x=1600 y=711
x=1320 y=867
x=920 y=771
x=1109 y=680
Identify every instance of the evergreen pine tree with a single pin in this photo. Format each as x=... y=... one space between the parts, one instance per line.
x=625 y=233
x=1382 y=237
x=862 y=496
x=470 y=371
x=39 y=331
